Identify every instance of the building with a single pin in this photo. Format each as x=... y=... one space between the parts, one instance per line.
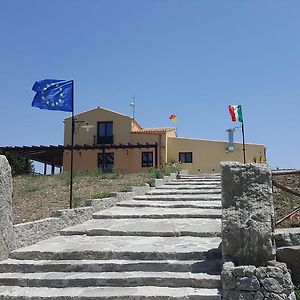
x=117 y=142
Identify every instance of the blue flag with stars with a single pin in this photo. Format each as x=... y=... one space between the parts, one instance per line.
x=53 y=94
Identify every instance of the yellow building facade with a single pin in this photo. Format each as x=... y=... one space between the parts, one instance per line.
x=120 y=143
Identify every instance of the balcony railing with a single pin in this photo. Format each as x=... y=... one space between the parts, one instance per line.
x=103 y=140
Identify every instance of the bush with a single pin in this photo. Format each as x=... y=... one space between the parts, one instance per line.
x=19 y=165
x=297 y=292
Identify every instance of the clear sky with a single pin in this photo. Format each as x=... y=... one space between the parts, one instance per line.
x=191 y=58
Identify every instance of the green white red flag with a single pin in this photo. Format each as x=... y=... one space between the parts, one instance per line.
x=236 y=113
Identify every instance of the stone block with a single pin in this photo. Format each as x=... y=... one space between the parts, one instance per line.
x=291 y=256
x=7 y=236
x=248 y=213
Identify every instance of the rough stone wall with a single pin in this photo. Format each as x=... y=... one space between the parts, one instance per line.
x=7 y=236
x=272 y=282
x=248 y=214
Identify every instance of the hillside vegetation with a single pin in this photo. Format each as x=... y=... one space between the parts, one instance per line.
x=35 y=197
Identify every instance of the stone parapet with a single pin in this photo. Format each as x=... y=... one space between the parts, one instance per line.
x=7 y=235
x=248 y=213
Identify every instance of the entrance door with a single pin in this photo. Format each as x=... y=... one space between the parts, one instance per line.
x=106 y=162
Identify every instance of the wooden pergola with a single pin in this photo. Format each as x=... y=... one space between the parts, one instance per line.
x=53 y=155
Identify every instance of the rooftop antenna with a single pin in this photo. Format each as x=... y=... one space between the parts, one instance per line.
x=132 y=104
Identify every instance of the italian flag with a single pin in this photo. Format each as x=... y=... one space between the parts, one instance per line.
x=236 y=113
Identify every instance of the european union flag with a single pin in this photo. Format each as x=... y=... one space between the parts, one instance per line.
x=53 y=94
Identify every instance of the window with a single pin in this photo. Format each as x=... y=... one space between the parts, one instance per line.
x=106 y=162
x=105 y=133
x=147 y=159
x=186 y=157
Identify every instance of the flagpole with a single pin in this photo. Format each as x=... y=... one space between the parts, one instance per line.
x=244 y=150
x=72 y=146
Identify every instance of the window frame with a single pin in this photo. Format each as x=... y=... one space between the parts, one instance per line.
x=185 y=155
x=147 y=163
x=105 y=138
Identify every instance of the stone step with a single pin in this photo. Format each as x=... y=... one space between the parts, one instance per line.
x=200 y=184
x=111 y=279
x=171 y=204
x=189 y=187
x=156 y=213
x=147 y=227
x=166 y=197
x=197 y=180
x=183 y=192
x=121 y=247
x=108 y=293
x=204 y=177
x=210 y=266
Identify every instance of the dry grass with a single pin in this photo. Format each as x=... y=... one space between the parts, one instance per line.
x=35 y=197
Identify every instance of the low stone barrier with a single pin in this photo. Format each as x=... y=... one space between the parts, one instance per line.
x=7 y=234
x=248 y=247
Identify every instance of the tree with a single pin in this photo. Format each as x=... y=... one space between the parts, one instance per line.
x=19 y=165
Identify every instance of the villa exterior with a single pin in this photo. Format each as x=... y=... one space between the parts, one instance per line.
x=123 y=146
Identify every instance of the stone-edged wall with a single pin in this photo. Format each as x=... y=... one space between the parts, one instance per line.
x=7 y=235
x=272 y=282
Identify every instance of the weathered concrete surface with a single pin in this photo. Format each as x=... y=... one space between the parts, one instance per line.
x=248 y=214
x=156 y=213
x=104 y=293
x=7 y=235
x=291 y=256
x=166 y=197
x=211 y=266
x=116 y=279
x=148 y=227
x=119 y=247
x=171 y=204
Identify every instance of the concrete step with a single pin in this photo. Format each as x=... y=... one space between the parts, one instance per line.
x=112 y=279
x=157 y=191
x=188 y=187
x=171 y=204
x=200 y=177
x=210 y=266
x=156 y=213
x=148 y=227
x=191 y=197
x=195 y=181
x=108 y=293
x=121 y=247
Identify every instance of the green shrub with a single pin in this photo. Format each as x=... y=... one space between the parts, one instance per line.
x=76 y=201
x=297 y=292
x=101 y=194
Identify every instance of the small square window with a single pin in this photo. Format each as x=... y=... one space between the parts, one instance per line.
x=185 y=157
x=147 y=159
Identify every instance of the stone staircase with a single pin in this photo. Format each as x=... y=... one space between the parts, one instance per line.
x=163 y=245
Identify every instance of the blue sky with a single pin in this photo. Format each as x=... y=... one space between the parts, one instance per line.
x=191 y=58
